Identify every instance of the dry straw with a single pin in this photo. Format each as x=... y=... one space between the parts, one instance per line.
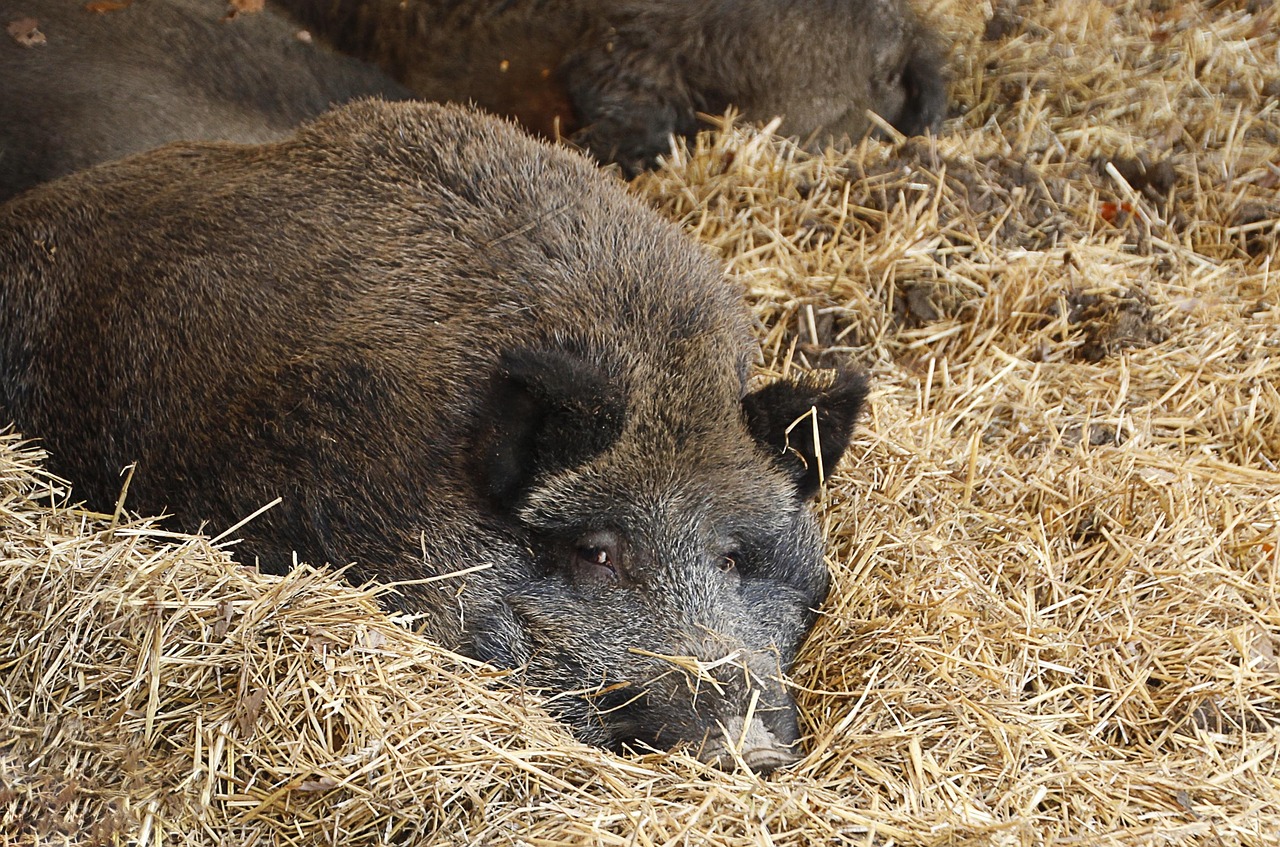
x=1056 y=544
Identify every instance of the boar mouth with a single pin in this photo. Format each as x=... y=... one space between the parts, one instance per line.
x=728 y=747
x=750 y=740
x=757 y=748
x=755 y=728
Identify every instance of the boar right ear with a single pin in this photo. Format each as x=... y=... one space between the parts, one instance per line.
x=925 y=87
x=547 y=411
x=778 y=415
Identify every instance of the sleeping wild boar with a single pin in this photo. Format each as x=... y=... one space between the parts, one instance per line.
x=446 y=346
x=622 y=76
x=104 y=85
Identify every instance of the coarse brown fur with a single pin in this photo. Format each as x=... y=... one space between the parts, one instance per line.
x=622 y=76
x=450 y=349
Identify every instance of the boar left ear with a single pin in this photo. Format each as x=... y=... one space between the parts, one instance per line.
x=546 y=411
x=773 y=410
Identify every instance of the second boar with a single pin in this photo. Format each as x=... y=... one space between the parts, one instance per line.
x=622 y=76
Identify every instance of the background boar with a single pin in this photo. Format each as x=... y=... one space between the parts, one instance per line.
x=621 y=76
x=104 y=85
x=447 y=346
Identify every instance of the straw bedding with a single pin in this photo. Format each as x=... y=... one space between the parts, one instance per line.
x=1056 y=544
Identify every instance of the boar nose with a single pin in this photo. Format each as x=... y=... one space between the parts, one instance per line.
x=758 y=724
x=760 y=747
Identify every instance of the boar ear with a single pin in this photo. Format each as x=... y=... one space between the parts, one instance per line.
x=925 y=84
x=629 y=104
x=546 y=411
x=772 y=410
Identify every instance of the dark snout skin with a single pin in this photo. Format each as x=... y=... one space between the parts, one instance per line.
x=465 y=361
x=107 y=85
x=732 y=710
x=621 y=77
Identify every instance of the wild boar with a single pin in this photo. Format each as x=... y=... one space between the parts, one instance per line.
x=459 y=355
x=621 y=77
x=104 y=85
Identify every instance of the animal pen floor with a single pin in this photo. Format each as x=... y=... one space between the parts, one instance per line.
x=1056 y=544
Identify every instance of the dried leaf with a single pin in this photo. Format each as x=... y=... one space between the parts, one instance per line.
x=248 y=709
x=324 y=783
x=1262 y=651
x=226 y=610
x=236 y=8
x=25 y=31
x=1109 y=211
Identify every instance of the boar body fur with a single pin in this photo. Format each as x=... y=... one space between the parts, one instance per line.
x=446 y=346
x=106 y=85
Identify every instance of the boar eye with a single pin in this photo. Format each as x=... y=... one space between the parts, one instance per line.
x=599 y=557
x=729 y=562
x=596 y=555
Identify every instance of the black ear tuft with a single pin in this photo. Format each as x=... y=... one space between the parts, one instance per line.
x=547 y=411
x=786 y=405
x=925 y=88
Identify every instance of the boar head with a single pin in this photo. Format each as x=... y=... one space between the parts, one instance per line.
x=675 y=564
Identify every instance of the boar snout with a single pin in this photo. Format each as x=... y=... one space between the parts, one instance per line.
x=726 y=702
x=755 y=719
x=756 y=743
x=730 y=711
